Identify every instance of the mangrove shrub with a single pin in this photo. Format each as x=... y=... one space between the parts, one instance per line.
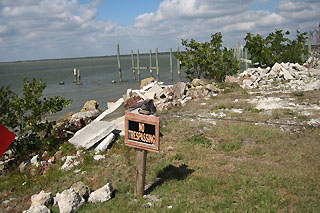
x=208 y=59
x=276 y=48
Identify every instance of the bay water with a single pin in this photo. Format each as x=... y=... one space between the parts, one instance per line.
x=97 y=74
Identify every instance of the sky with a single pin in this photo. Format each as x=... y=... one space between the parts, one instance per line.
x=47 y=29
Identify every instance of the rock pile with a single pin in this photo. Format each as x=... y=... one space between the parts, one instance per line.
x=292 y=77
x=69 y=200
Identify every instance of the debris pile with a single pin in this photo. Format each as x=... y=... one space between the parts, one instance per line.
x=167 y=96
x=292 y=76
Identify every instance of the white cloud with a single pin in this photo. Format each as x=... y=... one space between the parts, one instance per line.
x=31 y=29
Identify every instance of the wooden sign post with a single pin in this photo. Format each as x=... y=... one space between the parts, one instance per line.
x=141 y=132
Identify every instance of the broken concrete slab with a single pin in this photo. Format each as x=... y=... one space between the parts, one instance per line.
x=91 y=134
x=103 y=145
x=150 y=95
x=119 y=125
x=157 y=90
x=111 y=108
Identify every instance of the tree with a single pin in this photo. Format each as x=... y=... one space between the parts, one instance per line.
x=25 y=115
x=276 y=48
x=207 y=59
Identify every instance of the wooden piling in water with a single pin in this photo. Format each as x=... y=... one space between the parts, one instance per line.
x=78 y=77
x=138 y=64
x=75 y=75
x=309 y=47
x=132 y=64
x=246 y=58
x=157 y=65
x=171 y=71
x=150 y=64
x=178 y=66
x=119 y=65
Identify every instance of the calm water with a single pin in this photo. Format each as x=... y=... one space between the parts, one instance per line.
x=96 y=76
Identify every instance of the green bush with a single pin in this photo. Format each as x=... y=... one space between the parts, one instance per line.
x=276 y=48
x=208 y=60
x=25 y=115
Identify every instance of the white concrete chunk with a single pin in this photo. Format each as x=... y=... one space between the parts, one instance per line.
x=105 y=143
x=91 y=134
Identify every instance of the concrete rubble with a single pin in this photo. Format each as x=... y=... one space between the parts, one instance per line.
x=81 y=189
x=43 y=198
x=91 y=134
x=70 y=162
x=69 y=201
x=101 y=195
x=37 y=209
x=286 y=76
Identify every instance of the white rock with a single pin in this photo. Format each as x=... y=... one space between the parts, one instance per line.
x=69 y=163
x=287 y=75
x=69 y=201
x=99 y=157
x=42 y=198
x=35 y=161
x=37 y=209
x=84 y=115
x=81 y=189
x=101 y=195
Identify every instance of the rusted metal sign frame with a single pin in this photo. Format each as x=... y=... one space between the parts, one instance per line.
x=145 y=119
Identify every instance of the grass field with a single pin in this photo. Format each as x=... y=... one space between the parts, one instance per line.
x=213 y=159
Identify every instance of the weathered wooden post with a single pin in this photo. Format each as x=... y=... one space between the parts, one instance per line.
x=309 y=46
x=132 y=64
x=246 y=58
x=178 y=66
x=118 y=58
x=141 y=161
x=138 y=64
x=171 y=72
x=157 y=65
x=238 y=52
x=74 y=75
x=150 y=66
x=78 y=77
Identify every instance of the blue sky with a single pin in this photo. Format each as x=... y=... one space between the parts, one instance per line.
x=41 y=29
x=125 y=11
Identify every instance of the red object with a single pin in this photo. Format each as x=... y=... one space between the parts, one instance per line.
x=6 y=138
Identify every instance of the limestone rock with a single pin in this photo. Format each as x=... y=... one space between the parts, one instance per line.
x=85 y=116
x=101 y=195
x=197 y=82
x=81 y=189
x=69 y=201
x=89 y=106
x=99 y=157
x=179 y=89
x=42 y=198
x=37 y=209
x=23 y=165
x=146 y=81
x=35 y=161
x=69 y=163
